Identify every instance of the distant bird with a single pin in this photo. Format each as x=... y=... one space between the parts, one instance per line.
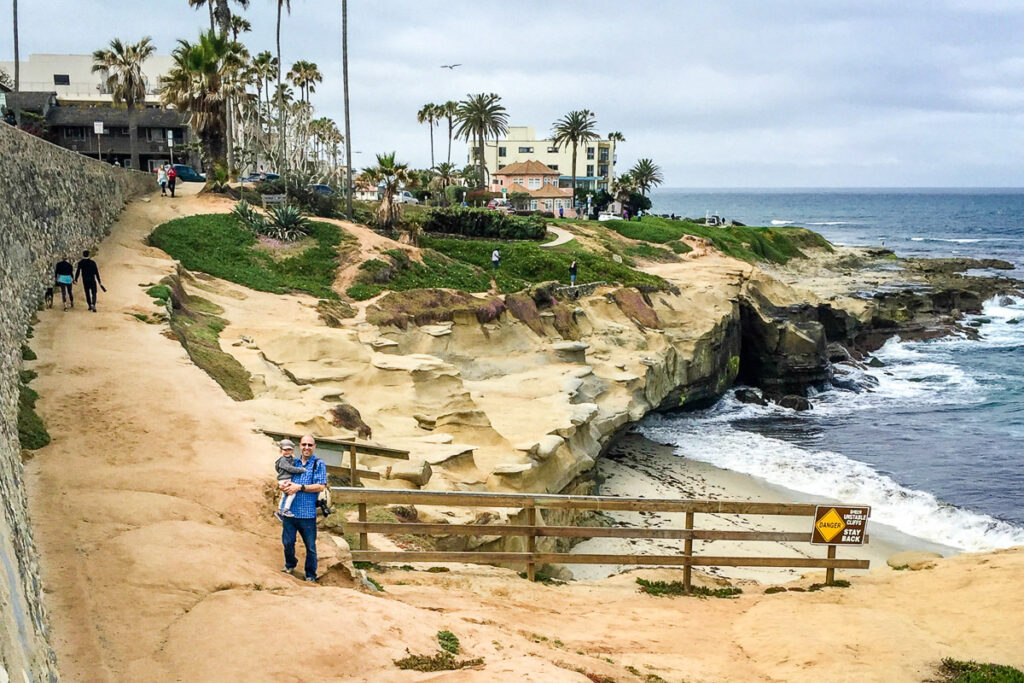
x=450 y=66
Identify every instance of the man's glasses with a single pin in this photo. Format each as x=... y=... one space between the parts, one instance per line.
x=306 y=445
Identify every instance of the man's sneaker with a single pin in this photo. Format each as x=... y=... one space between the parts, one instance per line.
x=280 y=517
x=309 y=580
x=286 y=513
x=288 y=570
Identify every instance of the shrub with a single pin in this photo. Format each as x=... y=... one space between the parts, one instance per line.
x=32 y=432
x=362 y=292
x=249 y=218
x=442 y=661
x=484 y=223
x=448 y=641
x=955 y=671
x=286 y=223
x=454 y=193
x=663 y=588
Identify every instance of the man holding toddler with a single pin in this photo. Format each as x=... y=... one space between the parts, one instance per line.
x=305 y=488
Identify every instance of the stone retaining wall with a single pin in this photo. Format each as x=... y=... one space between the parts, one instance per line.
x=53 y=202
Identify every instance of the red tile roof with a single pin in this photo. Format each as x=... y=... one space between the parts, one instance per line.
x=530 y=167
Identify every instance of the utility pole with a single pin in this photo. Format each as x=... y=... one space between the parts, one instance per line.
x=348 y=129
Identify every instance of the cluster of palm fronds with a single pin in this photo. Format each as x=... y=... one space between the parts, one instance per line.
x=284 y=223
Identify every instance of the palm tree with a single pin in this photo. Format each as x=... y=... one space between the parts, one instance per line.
x=304 y=76
x=390 y=176
x=200 y=84
x=239 y=25
x=646 y=174
x=615 y=137
x=447 y=174
x=481 y=116
x=575 y=128
x=122 y=67
x=429 y=115
x=348 y=132
x=287 y=4
x=17 y=61
x=448 y=111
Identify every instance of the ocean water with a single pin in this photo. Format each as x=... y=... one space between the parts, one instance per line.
x=935 y=441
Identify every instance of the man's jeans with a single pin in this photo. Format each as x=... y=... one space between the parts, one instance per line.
x=306 y=528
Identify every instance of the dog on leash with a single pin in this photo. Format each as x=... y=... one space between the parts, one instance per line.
x=48 y=297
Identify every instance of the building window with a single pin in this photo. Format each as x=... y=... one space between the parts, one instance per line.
x=518 y=181
x=74 y=133
x=590 y=169
x=604 y=155
x=155 y=134
x=553 y=167
x=604 y=169
x=533 y=205
x=552 y=150
x=526 y=150
x=547 y=204
x=549 y=180
x=502 y=151
x=61 y=79
x=534 y=184
x=590 y=153
x=501 y=166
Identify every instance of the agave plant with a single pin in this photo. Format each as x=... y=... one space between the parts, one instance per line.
x=286 y=223
x=249 y=218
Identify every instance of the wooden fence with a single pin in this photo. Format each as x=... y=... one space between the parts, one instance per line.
x=531 y=530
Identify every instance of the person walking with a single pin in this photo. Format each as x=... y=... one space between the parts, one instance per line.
x=63 y=276
x=306 y=487
x=90 y=275
x=495 y=259
x=561 y=212
x=172 y=176
x=161 y=180
x=572 y=272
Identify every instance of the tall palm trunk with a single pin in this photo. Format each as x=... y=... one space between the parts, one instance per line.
x=17 y=61
x=450 y=122
x=133 y=136
x=228 y=128
x=213 y=25
x=280 y=101
x=481 y=163
x=348 y=130
x=431 y=124
x=574 y=178
x=222 y=12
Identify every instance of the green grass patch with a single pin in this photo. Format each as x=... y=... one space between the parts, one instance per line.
x=396 y=271
x=199 y=333
x=838 y=583
x=956 y=671
x=650 y=252
x=525 y=263
x=671 y=588
x=32 y=432
x=427 y=306
x=448 y=641
x=442 y=661
x=777 y=245
x=27 y=353
x=162 y=292
x=218 y=245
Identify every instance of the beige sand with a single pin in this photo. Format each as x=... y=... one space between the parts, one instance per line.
x=161 y=562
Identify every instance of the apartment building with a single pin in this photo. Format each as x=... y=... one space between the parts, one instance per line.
x=72 y=79
x=535 y=179
x=595 y=161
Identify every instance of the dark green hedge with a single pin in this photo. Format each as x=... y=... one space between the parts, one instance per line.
x=484 y=223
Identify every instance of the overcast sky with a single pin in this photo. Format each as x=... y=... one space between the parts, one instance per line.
x=723 y=94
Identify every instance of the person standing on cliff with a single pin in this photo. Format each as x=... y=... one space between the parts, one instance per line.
x=306 y=487
x=90 y=275
x=172 y=177
x=572 y=272
x=63 y=276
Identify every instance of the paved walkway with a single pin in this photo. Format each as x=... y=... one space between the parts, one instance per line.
x=564 y=236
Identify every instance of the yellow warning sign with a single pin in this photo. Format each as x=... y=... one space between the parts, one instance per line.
x=839 y=525
x=830 y=525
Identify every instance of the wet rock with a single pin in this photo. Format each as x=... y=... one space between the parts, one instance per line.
x=1006 y=301
x=794 y=402
x=875 y=363
x=837 y=353
x=750 y=396
x=1013 y=321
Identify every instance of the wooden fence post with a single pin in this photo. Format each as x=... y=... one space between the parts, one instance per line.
x=531 y=541
x=353 y=473
x=688 y=552
x=830 y=573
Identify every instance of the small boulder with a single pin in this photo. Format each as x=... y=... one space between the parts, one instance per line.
x=417 y=472
x=837 y=353
x=913 y=560
x=794 y=402
x=1013 y=321
x=1006 y=301
x=875 y=363
x=750 y=396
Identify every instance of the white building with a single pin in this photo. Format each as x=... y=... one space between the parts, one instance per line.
x=595 y=160
x=71 y=77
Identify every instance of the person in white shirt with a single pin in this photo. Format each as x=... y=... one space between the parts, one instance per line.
x=495 y=258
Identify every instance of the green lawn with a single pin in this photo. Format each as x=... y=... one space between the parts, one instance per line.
x=218 y=245
x=524 y=263
x=747 y=243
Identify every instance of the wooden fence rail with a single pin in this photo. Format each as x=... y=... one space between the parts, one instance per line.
x=531 y=530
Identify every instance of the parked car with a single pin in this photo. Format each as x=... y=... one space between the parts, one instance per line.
x=503 y=205
x=326 y=190
x=187 y=174
x=405 y=197
x=255 y=177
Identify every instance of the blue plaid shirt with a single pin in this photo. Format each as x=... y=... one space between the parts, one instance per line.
x=304 y=506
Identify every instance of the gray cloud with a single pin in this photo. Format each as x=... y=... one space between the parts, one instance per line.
x=730 y=93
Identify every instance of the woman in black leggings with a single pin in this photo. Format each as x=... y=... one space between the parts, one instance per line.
x=63 y=276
